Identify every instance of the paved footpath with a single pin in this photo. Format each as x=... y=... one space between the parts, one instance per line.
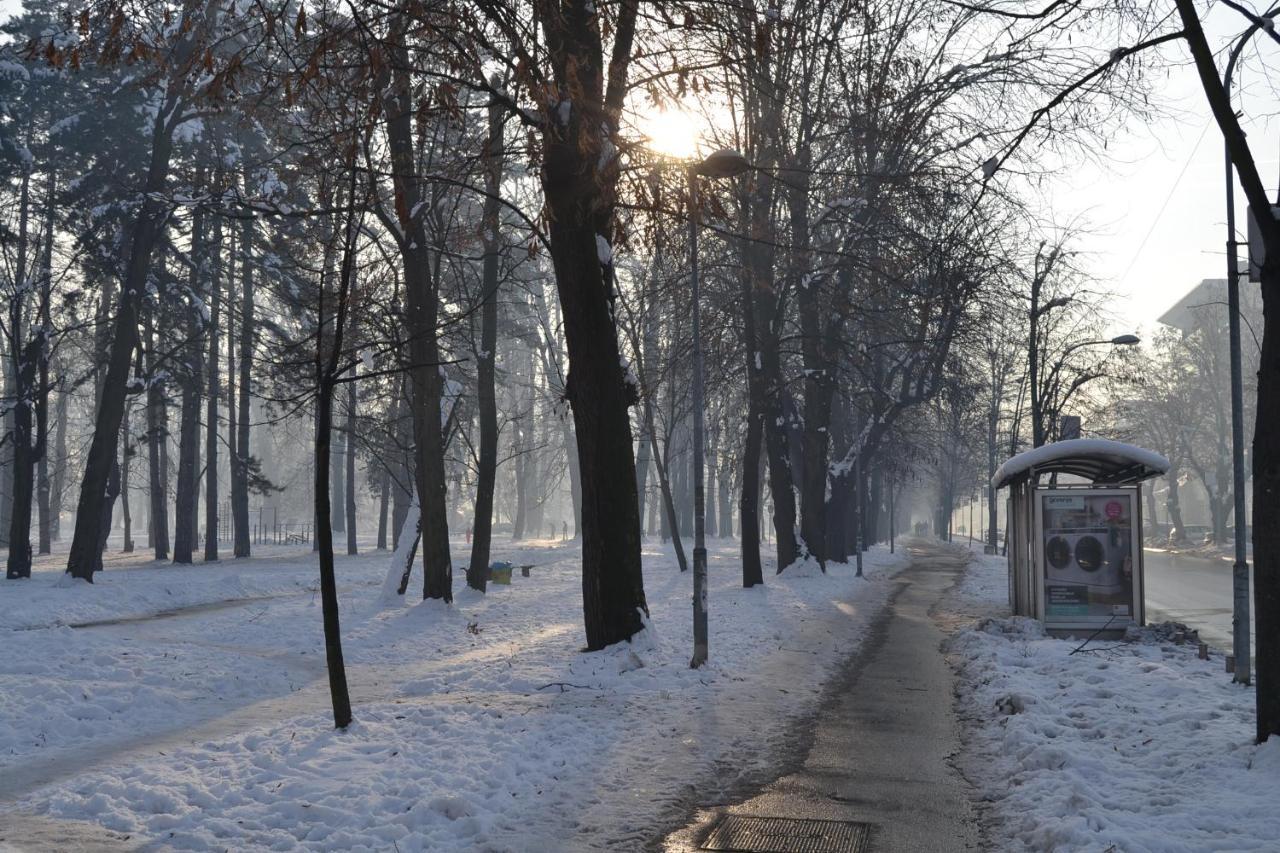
x=881 y=745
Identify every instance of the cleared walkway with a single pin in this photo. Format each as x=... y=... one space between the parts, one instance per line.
x=880 y=748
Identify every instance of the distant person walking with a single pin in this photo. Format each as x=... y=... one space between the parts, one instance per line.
x=564 y=531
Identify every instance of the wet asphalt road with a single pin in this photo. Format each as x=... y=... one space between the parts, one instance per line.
x=1193 y=590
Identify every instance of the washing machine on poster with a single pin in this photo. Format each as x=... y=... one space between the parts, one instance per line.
x=1087 y=557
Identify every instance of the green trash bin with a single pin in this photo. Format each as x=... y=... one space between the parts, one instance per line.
x=500 y=572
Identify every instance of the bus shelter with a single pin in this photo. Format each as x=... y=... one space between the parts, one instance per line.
x=1075 y=533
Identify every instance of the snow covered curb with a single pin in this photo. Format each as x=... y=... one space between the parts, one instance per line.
x=1134 y=746
x=494 y=732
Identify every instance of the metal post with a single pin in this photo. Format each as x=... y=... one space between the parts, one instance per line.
x=699 y=499
x=1240 y=569
x=1033 y=356
x=892 y=525
x=857 y=503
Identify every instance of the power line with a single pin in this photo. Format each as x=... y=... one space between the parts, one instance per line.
x=1167 y=199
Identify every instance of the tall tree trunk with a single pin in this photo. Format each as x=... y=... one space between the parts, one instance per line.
x=819 y=372
x=664 y=484
x=337 y=506
x=211 y=401
x=350 y=441
x=384 y=500
x=42 y=398
x=184 y=510
x=240 y=460
x=486 y=359
x=60 y=464
x=156 y=438
x=338 y=692
x=190 y=376
x=86 y=545
x=422 y=308
x=23 y=371
x=725 y=492
x=24 y=458
x=126 y=466
x=521 y=468
x=749 y=502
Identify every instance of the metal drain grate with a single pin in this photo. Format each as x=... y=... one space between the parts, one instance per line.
x=787 y=835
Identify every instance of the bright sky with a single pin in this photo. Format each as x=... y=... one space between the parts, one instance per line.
x=1157 y=208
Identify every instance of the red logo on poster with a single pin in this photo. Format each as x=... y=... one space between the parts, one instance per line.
x=1114 y=509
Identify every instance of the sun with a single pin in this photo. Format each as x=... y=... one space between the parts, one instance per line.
x=672 y=132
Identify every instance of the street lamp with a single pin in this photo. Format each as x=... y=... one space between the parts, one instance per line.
x=1119 y=341
x=1240 y=569
x=725 y=163
x=1033 y=354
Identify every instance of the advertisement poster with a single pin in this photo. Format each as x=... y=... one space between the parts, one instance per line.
x=1088 y=558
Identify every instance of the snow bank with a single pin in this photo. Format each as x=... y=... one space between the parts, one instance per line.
x=479 y=726
x=1133 y=746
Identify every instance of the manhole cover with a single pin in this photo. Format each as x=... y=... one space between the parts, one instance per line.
x=787 y=835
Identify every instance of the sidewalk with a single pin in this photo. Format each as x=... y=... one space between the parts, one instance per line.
x=880 y=750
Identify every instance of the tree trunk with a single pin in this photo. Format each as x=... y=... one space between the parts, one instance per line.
x=384 y=500
x=42 y=398
x=486 y=359
x=125 y=467
x=519 y=525
x=725 y=492
x=211 y=401
x=190 y=376
x=350 y=436
x=749 y=502
x=25 y=457
x=157 y=479
x=22 y=394
x=86 y=545
x=240 y=461
x=60 y=465
x=422 y=307
x=337 y=505
x=664 y=484
x=338 y=693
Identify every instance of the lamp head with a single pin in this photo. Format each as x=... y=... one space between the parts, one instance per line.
x=1126 y=340
x=725 y=163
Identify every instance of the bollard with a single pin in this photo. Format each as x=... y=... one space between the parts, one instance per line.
x=1231 y=663
x=1179 y=638
x=1203 y=651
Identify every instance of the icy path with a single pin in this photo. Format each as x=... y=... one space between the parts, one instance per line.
x=462 y=741
x=881 y=747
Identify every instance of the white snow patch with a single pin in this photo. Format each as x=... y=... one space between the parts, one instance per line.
x=1134 y=746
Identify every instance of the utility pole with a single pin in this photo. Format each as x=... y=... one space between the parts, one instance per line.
x=699 y=500
x=1240 y=642
x=720 y=164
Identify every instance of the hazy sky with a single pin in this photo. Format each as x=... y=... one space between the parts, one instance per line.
x=1156 y=210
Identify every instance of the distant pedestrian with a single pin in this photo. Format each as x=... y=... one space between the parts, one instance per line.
x=468 y=534
x=564 y=531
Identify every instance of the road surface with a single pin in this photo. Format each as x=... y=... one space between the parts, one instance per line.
x=1194 y=590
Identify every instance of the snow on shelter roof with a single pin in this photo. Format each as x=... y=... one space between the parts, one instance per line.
x=1098 y=459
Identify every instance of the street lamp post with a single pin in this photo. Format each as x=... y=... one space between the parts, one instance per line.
x=721 y=164
x=1240 y=645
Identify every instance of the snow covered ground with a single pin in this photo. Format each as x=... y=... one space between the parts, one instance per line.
x=1132 y=746
x=480 y=726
